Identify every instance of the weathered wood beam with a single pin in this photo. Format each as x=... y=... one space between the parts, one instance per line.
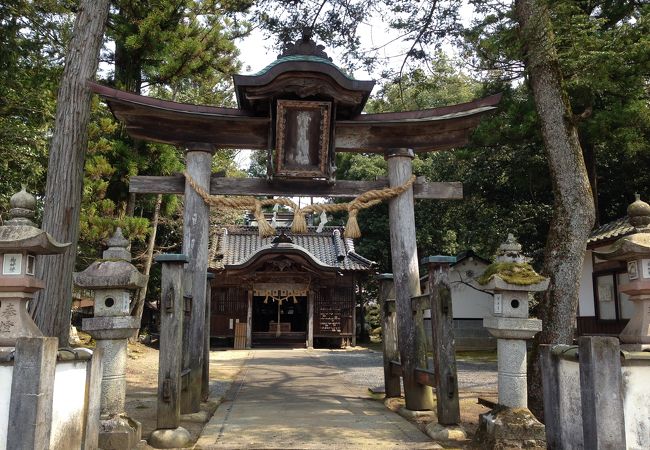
x=175 y=184
x=411 y=338
x=425 y=376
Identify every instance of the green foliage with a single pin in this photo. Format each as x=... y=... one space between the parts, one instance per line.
x=30 y=66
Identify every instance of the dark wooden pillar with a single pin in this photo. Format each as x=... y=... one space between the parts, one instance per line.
x=310 y=319
x=407 y=279
x=196 y=217
x=171 y=332
x=392 y=383
x=442 y=334
x=354 y=315
x=205 y=378
x=249 y=320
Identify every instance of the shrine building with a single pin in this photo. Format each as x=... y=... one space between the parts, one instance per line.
x=305 y=282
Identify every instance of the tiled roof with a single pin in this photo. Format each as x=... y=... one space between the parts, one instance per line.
x=235 y=245
x=611 y=230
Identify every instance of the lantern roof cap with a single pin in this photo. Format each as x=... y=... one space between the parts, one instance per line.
x=639 y=213
x=115 y=271
x=20 y=234
x=633 y=245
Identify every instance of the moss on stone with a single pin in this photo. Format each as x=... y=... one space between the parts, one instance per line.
x=521 y=274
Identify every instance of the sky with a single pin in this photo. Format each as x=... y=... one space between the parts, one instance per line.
x=257 y=52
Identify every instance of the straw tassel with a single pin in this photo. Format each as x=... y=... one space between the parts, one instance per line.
x=299 y=224
x=352 y=227
x=263 y=227
x=363 y=201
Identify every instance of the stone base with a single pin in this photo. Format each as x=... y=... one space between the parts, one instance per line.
x=119 y=433
x=508 y=428
x=170 y=438
x=197 y=417
x=410 y=414
x=439 y=432
x=635 y=347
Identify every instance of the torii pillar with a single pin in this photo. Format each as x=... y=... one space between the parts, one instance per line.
x=406 y=276
x=196 y=235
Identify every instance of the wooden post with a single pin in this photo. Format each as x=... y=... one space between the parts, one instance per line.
x=354 y=315
x=249 y=320
x=392 y=383
x=205 y=378
x=310 y=319
x=32 y=388
x=601 y=392
x=196 y=217
x=406 y=277
x=442 y=333
x=93 y=400
x=171 y=332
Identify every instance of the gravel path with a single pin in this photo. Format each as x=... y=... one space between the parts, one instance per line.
x=364 y=368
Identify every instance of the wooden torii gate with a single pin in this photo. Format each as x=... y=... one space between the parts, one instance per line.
x=301 y=109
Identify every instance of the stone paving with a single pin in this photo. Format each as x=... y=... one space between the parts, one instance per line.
x=364 y=368
x=299 y=399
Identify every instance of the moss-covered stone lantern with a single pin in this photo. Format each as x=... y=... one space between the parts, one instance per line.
x=20 y=242
x=634 y=249
x=511 y=280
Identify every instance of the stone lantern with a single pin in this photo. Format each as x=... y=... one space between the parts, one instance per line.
x=634 y=249
x=113 y=281
x=511 y=280
x=20 y=242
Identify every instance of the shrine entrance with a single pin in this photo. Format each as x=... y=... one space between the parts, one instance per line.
x=301 y=110
x=291 y=315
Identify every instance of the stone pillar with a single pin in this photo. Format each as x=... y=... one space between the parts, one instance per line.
x=114 y=281
x=634 y=250
x=511 y=280
x=406 y=275
x=196 y=217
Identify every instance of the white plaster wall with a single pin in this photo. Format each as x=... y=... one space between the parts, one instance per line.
x=6 y=375
x=570 y=406
x=636 y=404
x=468 y=303
x=586 y=294
x=68 y=405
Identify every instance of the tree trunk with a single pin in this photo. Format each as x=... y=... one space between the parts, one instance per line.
x=573 y=207
x=139 y=305
x=51 y=308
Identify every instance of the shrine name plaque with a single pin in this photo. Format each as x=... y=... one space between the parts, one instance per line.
x=330 y=320
x=302 y=139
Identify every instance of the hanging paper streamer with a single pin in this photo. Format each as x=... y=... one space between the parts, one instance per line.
x=323 y=221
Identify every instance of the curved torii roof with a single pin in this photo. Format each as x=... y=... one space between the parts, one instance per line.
x=303 y=71
x=175 y=123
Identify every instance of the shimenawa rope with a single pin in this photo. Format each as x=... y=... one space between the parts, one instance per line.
x=363 y=201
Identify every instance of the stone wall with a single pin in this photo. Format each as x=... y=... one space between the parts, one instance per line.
x=74 y=411
x=567 y=391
